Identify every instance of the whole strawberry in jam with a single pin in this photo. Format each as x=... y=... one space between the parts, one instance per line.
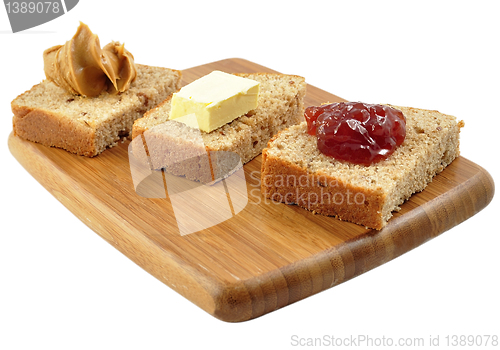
x=356 y=132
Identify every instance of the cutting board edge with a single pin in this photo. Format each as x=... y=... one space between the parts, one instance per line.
x=197 y=288
x=243 y=62
x=339 y=264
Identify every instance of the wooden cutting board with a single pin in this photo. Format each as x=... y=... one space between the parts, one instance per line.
x=266 y=255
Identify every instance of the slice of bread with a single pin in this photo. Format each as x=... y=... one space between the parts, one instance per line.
x=182 y=150
x=88 y=125
x=295 y=172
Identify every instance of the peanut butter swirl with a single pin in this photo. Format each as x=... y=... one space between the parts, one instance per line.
x=81 y=67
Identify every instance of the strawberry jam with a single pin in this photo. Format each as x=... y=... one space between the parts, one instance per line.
x=356 y=132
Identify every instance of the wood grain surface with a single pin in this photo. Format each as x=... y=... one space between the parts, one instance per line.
x=264 y=257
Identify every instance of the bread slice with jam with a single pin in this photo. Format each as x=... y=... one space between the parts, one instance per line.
x=294 y=171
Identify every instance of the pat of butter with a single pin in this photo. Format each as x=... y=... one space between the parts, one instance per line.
x=216 y=99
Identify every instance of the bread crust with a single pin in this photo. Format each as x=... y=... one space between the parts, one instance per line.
x=49 y=129
x=138 y=128
x=319 y=193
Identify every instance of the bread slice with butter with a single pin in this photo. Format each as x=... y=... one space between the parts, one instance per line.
x=86 y=126
x=280 y=104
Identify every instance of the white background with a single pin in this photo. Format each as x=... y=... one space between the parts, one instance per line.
x=63 y=287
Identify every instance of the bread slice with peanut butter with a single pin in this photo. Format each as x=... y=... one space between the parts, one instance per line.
x=86 y=126
x=91 y=96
